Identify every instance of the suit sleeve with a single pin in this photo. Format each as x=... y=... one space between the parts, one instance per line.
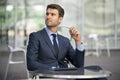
x=80 y=55
x=76 y=57
x=32 y=54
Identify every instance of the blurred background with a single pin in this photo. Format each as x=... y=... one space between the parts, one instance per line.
x=97 y=20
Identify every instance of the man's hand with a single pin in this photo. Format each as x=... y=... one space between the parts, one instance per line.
x=75 y=34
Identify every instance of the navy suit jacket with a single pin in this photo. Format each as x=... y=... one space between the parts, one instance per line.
x=41 y=55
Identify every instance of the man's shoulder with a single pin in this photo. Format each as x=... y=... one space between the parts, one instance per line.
x=38 y=32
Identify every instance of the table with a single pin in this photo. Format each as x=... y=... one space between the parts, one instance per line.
x=73 y=73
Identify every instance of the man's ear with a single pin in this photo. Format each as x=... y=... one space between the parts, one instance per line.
x=60 y=19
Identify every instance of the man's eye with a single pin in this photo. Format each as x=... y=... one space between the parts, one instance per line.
x=46 y=13
x=52 y=14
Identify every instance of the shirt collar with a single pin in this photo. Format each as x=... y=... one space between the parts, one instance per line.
x=49 y=32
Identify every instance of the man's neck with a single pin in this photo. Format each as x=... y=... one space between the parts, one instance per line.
x=53 y=29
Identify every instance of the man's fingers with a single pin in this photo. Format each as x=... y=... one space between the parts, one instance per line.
x=74 y=31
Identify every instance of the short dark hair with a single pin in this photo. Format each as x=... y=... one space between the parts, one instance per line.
x=58 y=7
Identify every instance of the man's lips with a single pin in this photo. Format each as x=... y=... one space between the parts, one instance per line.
x=48 y=21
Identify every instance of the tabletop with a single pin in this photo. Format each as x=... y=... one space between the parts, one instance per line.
x=73 y=73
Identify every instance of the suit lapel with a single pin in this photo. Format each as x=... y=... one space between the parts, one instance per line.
x=60 y=45
x=47 y=39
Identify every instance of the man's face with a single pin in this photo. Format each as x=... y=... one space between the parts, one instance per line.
x=52 y=18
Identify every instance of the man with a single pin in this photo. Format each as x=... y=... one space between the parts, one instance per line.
x=47 y=49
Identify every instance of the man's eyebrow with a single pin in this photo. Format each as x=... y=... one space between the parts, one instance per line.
x=47 y=13
x=50 y=13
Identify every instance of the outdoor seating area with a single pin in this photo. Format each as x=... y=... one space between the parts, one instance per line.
x=98 y=22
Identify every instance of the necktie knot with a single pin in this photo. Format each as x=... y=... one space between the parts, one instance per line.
x=54 y=35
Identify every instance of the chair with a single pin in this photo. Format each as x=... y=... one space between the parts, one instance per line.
x=16 y=60
x=16 y=52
